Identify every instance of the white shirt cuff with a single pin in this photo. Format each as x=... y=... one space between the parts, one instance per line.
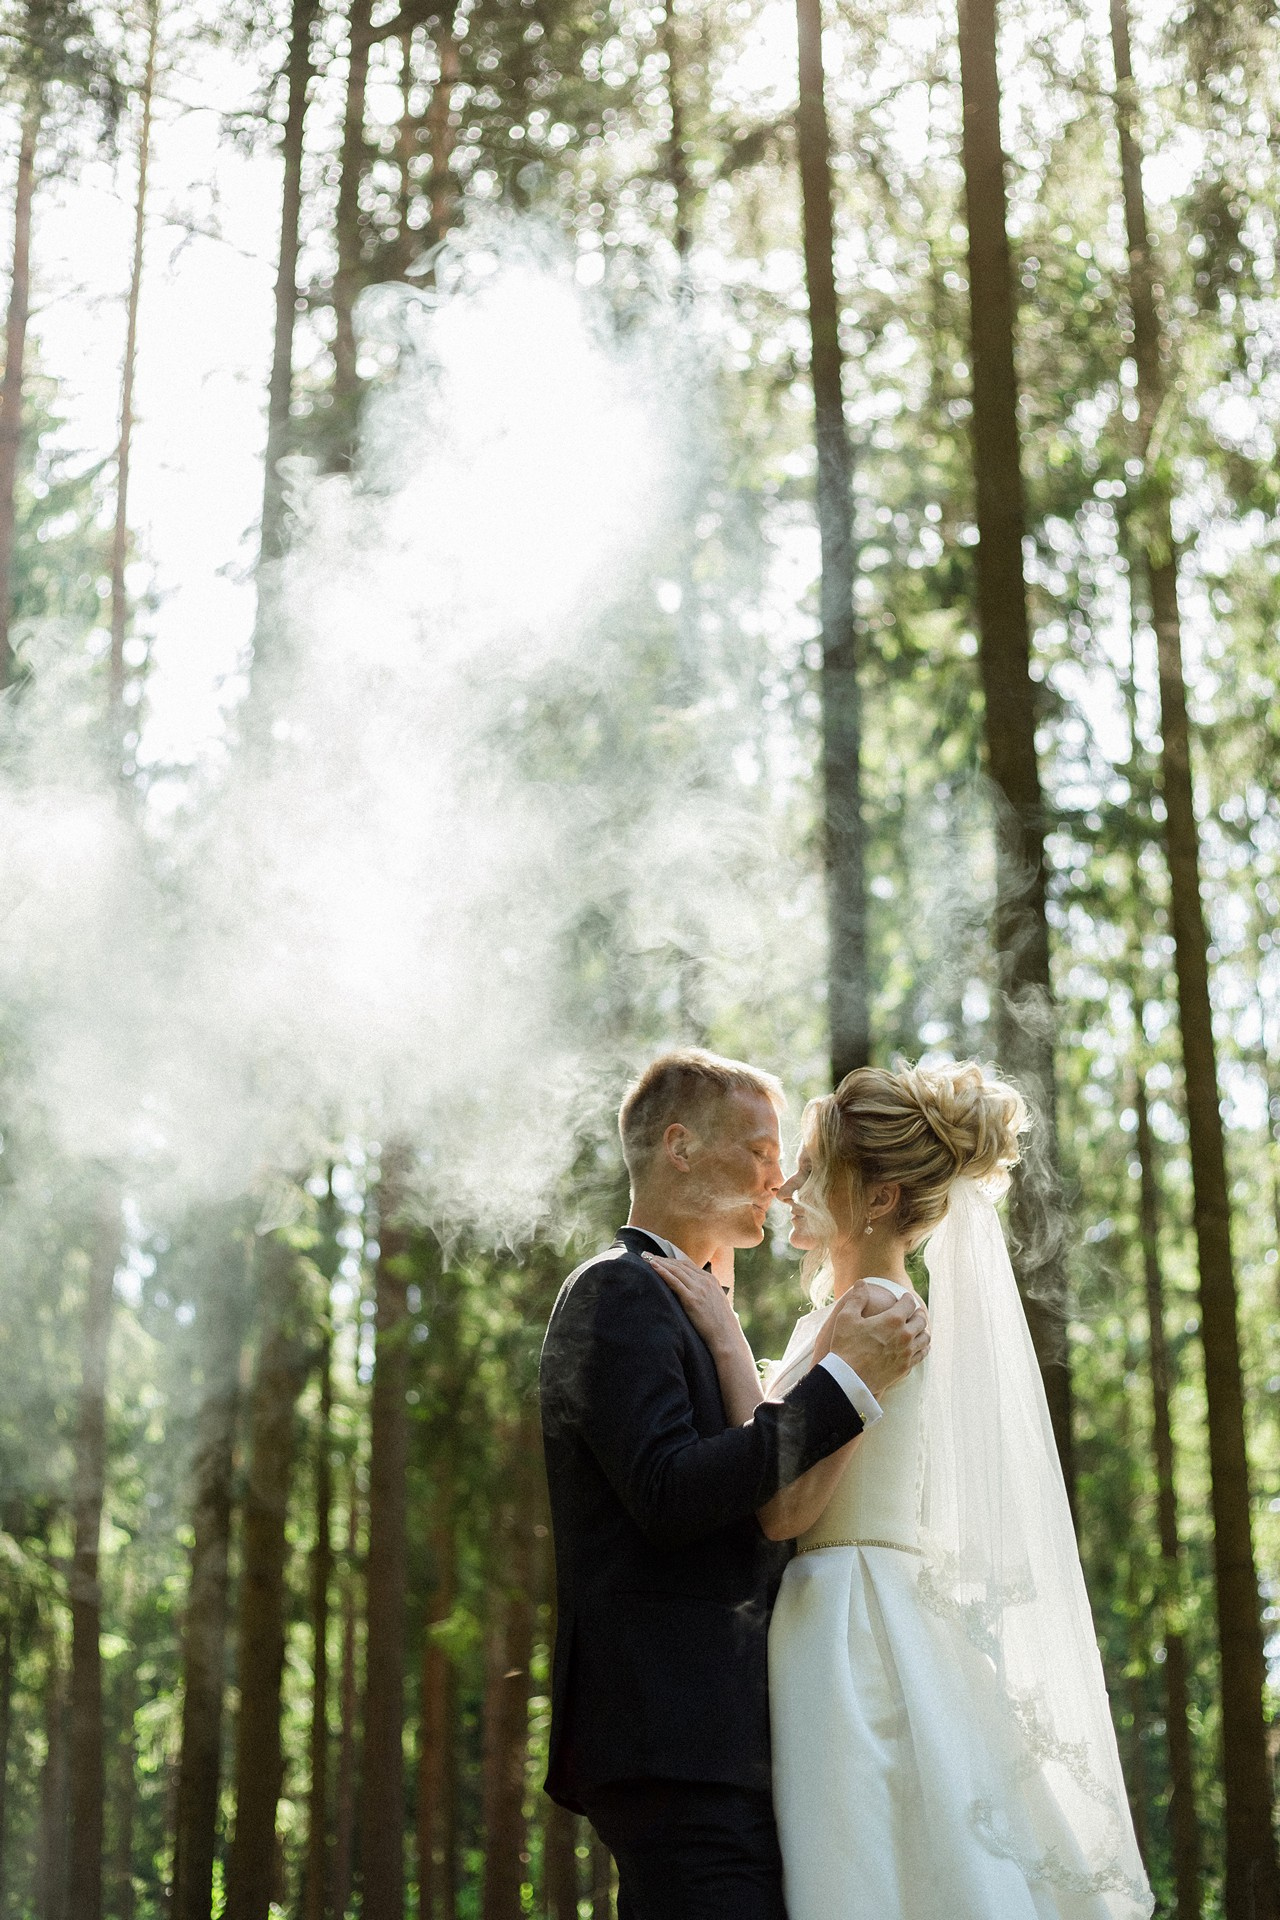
x=859 y=1394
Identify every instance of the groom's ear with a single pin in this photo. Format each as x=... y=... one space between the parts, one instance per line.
x=677 y=1142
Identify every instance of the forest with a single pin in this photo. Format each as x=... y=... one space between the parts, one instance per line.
x=767 y=535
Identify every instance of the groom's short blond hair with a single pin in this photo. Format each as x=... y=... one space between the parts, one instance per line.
x=685 y=1086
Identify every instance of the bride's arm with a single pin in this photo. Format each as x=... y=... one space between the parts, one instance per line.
x=794 y=1509
x=711 y=1310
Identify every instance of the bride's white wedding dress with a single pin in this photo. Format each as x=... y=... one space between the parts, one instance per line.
x=932 y=1760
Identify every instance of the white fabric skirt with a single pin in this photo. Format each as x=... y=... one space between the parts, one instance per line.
x=891 y=1747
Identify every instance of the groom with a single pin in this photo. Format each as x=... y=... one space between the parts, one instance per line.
x=660 y=1706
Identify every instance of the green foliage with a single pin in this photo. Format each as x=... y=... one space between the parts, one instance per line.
x=61 y=544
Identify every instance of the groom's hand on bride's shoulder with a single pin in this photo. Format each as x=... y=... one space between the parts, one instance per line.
x=882 y=1348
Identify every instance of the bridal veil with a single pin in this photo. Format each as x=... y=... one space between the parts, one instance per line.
x=1002 y=1569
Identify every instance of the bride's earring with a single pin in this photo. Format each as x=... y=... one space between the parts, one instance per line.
x=869 y=1228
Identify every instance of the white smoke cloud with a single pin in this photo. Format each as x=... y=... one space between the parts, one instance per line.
x=473 y=793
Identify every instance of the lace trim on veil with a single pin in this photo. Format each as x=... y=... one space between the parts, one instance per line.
x=939 y=1587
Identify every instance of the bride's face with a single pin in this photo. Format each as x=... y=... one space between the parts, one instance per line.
x=804 y=1232
x=815 y=1224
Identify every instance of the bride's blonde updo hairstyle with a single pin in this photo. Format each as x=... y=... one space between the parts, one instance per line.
x=919 y=1129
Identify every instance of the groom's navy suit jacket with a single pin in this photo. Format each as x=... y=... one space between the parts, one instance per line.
x=664 y=1578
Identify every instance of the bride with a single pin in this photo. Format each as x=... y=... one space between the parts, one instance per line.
x=942 y=1743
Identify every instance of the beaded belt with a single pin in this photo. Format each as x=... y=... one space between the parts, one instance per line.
x=897 y=1545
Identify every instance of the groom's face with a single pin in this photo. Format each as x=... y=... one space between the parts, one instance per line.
x=737 y=1167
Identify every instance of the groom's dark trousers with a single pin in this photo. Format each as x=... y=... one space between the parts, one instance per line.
x=664 y=1584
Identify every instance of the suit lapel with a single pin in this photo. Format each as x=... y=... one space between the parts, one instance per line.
x=636 y=1241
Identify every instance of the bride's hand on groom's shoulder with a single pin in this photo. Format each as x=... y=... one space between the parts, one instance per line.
x=704 y=1298
x=883 y=1347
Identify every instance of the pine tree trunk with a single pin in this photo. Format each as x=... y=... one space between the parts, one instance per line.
x=1024 y=1019
x=1183 y=1821
x=1252 y=1871
x=316 y=1880
x=435 y=1734
x=344 y=1812
x=204 y=1633
x=252 y=1870
x=120 y=531
x=125 y=1797
x=848 y=998
x=506 y=1703
x=1270 y=1067
x=8 y=1634
x=280 y=393
x=87 y=1772
x=51 y=1856
x=1136 y=1774
x=559 y=1826
x=676 y=156
x=347 y=279
x=410 y=131
x=15 y=350
x=450 y=1874
x=383 y=1784
x=442 y=131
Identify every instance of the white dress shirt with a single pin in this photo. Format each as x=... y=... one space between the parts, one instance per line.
x=851 y=1384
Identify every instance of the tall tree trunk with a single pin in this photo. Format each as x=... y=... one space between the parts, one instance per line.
x=316 y=1884
x=15 y=350
x=8 y=1650
x=559 y=1826
x=204 y=1632
x=506 y=1701
x=344 y=1812
x=1137 y=1778
x=436 y=1876
x=677 y=155
x=280 y=393
x=383 y=1793
x=1024 y=1020
x=124 y=448
x=125 y=1797
x=1252 y=1871
x=410 y=130
x=281 y=1371
x=51 y=1854
x=87 y=1774
x=347 y=278
x=848 y=999
x=1183 y=1822
x=1269 y=1066
x=442 y=131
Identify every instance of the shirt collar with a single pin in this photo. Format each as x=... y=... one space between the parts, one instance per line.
x=668 y=1247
